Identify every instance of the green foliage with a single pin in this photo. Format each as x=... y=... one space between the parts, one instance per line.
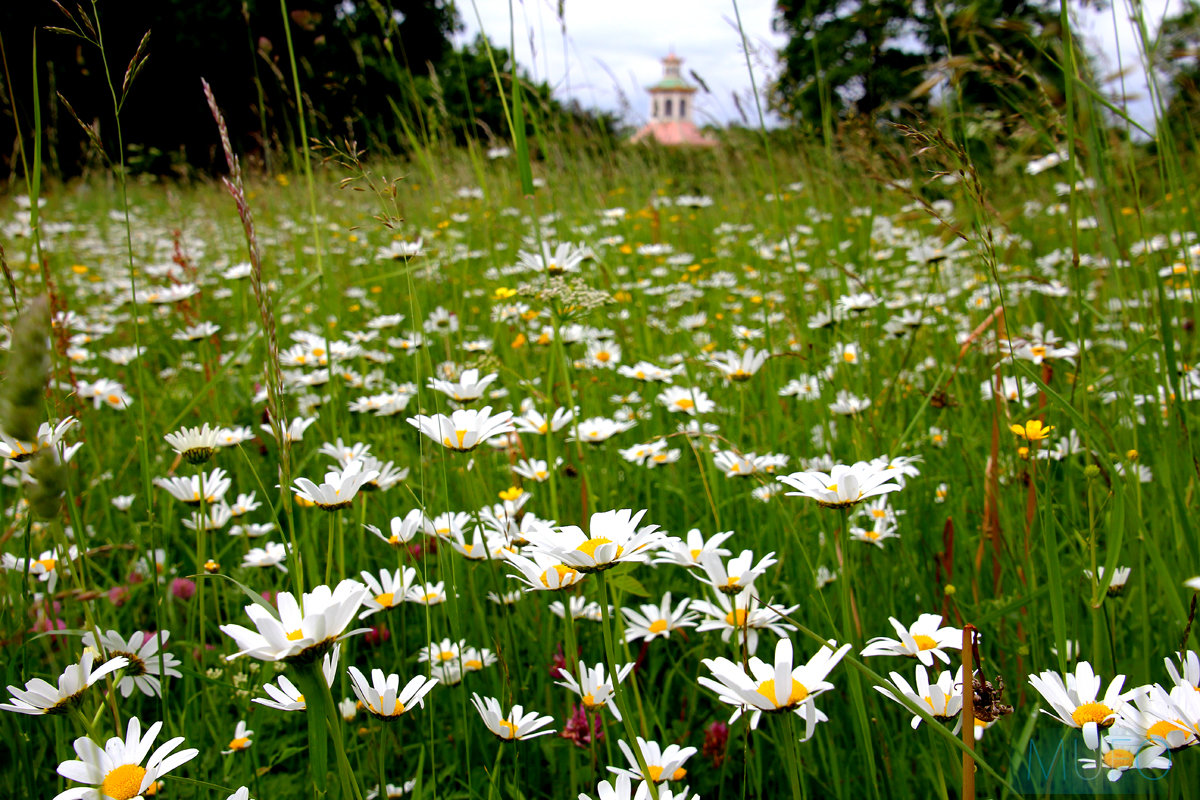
x=888 y=56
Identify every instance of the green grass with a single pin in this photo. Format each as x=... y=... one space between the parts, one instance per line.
x=1014 y=569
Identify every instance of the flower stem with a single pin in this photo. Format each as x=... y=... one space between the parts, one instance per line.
x=618 y=695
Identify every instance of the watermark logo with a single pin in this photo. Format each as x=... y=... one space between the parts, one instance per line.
x=1063 y=765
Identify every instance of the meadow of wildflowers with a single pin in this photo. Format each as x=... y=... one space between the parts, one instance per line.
x=679 y=476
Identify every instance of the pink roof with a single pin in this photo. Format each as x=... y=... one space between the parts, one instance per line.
x=673 y=132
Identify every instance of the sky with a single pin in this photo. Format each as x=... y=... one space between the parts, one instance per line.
x=612 y=49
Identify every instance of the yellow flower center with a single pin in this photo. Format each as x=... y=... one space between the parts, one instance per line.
x=695 y=553
x=396 y=711
x=732 y=580
x=447 y=655
x=589 y=702
x=565 y=575
x=737 y=618
x=603 y=357
x=47 y=564
x=658 y=626
x=588 y=548
x=123 y=783
x=1163 y=727
x=849 y=356
x=1092 y=712
x=509 y=731
x=798 y=695
x=685 y=403
x=473 y=665
x=386 y=599
x=395 y=539
x=240 y=743
x=460 y=435
x=1118 y=759
x=295 y=635
x=924 y=642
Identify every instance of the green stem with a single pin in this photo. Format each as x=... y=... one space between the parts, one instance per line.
x=618 y=694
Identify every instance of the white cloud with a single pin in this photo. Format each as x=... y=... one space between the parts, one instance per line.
x=604 y=51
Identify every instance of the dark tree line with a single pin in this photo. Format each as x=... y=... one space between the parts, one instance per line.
x=380 y=71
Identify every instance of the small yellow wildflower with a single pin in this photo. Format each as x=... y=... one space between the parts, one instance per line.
x=1032 y=431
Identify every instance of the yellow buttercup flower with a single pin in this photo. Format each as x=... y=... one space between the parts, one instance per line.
x=1033 y=430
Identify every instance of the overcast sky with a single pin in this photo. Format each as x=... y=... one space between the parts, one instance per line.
x=612 y=49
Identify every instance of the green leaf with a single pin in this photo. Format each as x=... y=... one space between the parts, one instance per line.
x=254 y=596
x=628 y=584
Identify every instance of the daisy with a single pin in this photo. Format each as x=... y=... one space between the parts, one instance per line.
x=387 y=591
x=42 y=697
x=944 y=697
x=614 y=538
x=287 y=697
x=303 y=630
x=46 y=566
x=655 y=621
x=1123 y=749
x=738 y=574
x=196 y=445
x=594 y=686
x=392 y=792
x=533 y=421
x=595 y=430
x=338 y=489
x=146 y=663
x=554 y=259
x=774 y=688
x=532 y=469
x=806 y=387
x=205 y=487
x=742 y=615
x=844 y=486
x=465 y=429
x=115 y=771
x=924 y=640
x=468 y=388
x=241 y=739
x=1075 y=702
x=403 y=529
x=687 y=553
x=1188 y=672
x=688 y=401
x=662 y=763
x=427 y=594
x=739 y=367
x=542 y=571
x=579 y=607
x=734 y=464
x=515 y=726
x=645 y=371
x=876 y=535
x=271 y=554
x=383 y=697
x=624 y=791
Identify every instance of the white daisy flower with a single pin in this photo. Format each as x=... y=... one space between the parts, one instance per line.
x=116 y=770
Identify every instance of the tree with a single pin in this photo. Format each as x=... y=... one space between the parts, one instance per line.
x=867 y=56
x=1176 y=57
